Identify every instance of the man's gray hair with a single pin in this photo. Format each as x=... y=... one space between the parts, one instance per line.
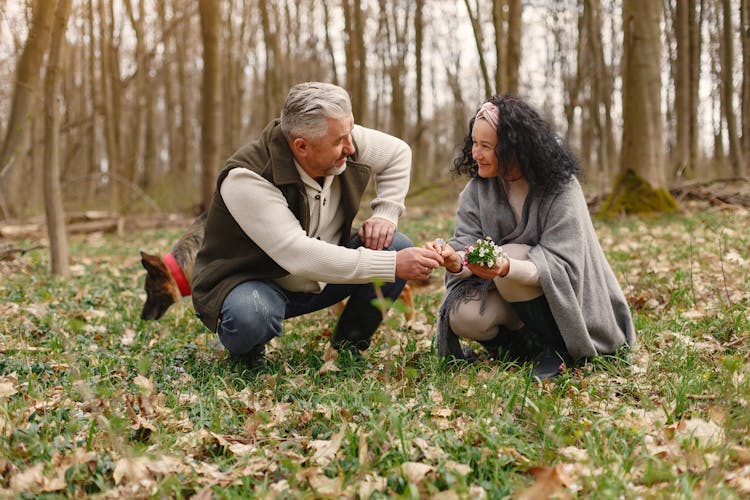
x=308 y=107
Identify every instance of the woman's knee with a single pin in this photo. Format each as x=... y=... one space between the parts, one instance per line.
x=467 y=322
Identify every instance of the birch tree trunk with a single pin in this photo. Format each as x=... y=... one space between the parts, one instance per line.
x=53 y=205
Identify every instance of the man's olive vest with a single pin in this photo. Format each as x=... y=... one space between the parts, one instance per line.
x=228 y=256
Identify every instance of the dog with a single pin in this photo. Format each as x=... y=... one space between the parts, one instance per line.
x=169 y=278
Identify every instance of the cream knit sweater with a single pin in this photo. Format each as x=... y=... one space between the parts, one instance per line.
x=315 y=259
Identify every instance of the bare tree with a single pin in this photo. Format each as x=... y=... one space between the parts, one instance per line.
x=745 y=97
x=642 y=183
x=17 y=133
x=515 y=18
x=356 y=57
x=54 y=210
x=476 y=26
x=727 y=90
x=681 y=77
x=210 y=98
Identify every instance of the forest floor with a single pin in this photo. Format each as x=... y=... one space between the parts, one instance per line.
x=94 y=400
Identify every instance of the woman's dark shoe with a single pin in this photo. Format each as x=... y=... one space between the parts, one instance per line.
x=548 y=364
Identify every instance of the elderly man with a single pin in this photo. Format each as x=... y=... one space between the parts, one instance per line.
x=279 y=240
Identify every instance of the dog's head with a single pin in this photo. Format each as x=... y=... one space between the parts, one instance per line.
x=161 y=288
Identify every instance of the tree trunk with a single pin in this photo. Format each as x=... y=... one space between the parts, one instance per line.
x=133 y=161
x=211 y=98
x=110 y=125
x=92 y=170
x=498 y=20
x=328 y=43
x=54 y=210
x=476 y=26
x=641 y=186
x=17 y=132
x=727 y=90
x=696 y=11
x=419 y=143
x=515 y=22
x=682 y=89
x=745 y=37
x=272 y=83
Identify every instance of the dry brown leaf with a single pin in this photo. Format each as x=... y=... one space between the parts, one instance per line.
x=574 y=454
x=144 y=384
x=740 y=454
x=326 y=449
x=363 y=454
x=739 y=479
x=430 y=452
x=9 y=385
x=370 y=485
x=28 y=480
x=131 y=470
x=550 y=482
x=415 y=472
x=460 y=469
x=322 y=484
x=203 y=494
x=703 y=433
x=128 y=337
x=445 y=495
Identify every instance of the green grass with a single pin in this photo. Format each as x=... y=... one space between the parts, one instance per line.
x=95 y=401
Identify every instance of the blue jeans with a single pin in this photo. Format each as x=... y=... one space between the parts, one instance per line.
x=252 y=312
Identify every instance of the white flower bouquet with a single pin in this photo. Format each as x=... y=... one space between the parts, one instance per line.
x=485 y=253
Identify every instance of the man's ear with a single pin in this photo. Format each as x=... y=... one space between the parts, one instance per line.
x=300 y=147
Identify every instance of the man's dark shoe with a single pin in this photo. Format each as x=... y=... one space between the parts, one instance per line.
x=254 y=359
x=548 y=364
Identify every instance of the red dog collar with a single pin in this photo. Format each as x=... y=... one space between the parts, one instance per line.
x=177 y=274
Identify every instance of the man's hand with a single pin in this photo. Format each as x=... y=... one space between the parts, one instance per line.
x=451 y=259
x=376 y=233
x=415 y=263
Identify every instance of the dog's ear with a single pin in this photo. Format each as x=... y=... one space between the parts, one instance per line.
x=153 y=264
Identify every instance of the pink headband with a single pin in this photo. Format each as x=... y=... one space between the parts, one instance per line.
x=489 y=112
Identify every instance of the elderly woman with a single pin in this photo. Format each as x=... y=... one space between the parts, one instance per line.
x=552 y=297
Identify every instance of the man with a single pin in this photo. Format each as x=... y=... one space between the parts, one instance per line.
x=278 y=239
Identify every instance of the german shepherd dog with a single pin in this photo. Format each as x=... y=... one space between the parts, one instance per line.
x=169 y=278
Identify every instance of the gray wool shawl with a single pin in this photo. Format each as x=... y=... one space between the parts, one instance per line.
x=584 y=296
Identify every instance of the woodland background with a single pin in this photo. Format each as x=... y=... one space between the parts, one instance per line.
x=132 y=105
x=123 y=110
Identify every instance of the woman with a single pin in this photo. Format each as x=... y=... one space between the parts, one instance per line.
x=554 y=298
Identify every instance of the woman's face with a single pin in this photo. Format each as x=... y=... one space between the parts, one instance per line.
x=484 y=140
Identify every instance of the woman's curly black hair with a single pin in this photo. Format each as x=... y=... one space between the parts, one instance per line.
x=524 y=136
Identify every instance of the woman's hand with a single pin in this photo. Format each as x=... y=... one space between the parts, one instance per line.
x=499 y=270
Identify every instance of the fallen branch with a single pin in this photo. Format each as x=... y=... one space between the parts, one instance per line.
x=9 y=252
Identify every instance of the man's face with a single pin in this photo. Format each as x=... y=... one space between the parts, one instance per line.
x=326 y=155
